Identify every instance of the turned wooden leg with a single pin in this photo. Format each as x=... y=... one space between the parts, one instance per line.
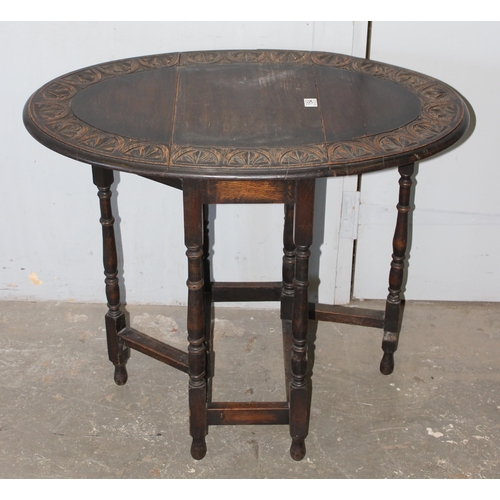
x=393 y=309
x=208 y=300
x=288 y=263
x=206 y=248
x=115 y=319
x=193 y=232
x=288 y=291
x=299 y=402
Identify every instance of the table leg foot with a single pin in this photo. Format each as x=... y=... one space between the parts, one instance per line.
x=389 y=346
x=298 y=449
x=121 y=375
x=387 y=363
x=198 y=448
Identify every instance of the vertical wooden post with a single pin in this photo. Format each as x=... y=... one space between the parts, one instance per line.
x=206 y=248
x=287 y=291
x=207 y=286
x=393 y=309
x=115 y=319
x=299 y=403
x=288 y=263
x=193 y=233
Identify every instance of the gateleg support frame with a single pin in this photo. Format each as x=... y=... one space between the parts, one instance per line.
x=297 y=196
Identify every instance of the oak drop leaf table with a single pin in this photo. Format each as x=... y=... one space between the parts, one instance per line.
x=256 y=126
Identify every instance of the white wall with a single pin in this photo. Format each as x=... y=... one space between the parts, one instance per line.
x=49 y=224
x=455 y=252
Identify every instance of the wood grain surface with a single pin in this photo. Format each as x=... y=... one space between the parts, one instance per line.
x=241 y=114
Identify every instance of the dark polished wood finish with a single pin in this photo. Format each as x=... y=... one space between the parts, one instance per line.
x=265 y=413
x=197 y=352
x=393 y=308
x=247 y=126
x=115 y=318
x=344 y=314
x=154 y=348
x=240 y=114
x=299 y=407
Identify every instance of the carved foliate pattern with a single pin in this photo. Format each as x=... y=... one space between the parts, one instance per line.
x=392 y=142
x=249 y=157
x=82 y=79
x=245 y=56
x=445 y=111
x=69 y=130
x=349 y=150
x=409 y=78
x=265 y=157
x=195 y=156
x=427 y=130
x=303 y=156
x=436 y=92
x=330 y=59
x=101 y=142
x=51 y=111
x=59 y=91
x=441 y=111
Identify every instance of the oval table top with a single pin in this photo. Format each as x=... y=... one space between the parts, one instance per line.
x=246 y=114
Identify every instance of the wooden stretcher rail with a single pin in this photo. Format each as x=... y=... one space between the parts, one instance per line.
x=246 y=292
x=267 y=413
x=154 y=348
x=349 y=315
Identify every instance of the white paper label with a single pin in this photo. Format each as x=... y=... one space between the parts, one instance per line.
x=310 y=103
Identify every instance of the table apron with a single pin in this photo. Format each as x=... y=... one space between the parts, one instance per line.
x=248 y=191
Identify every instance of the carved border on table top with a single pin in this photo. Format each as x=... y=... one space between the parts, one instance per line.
x=245 y=56
x=249 y=157
x=440 y=113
